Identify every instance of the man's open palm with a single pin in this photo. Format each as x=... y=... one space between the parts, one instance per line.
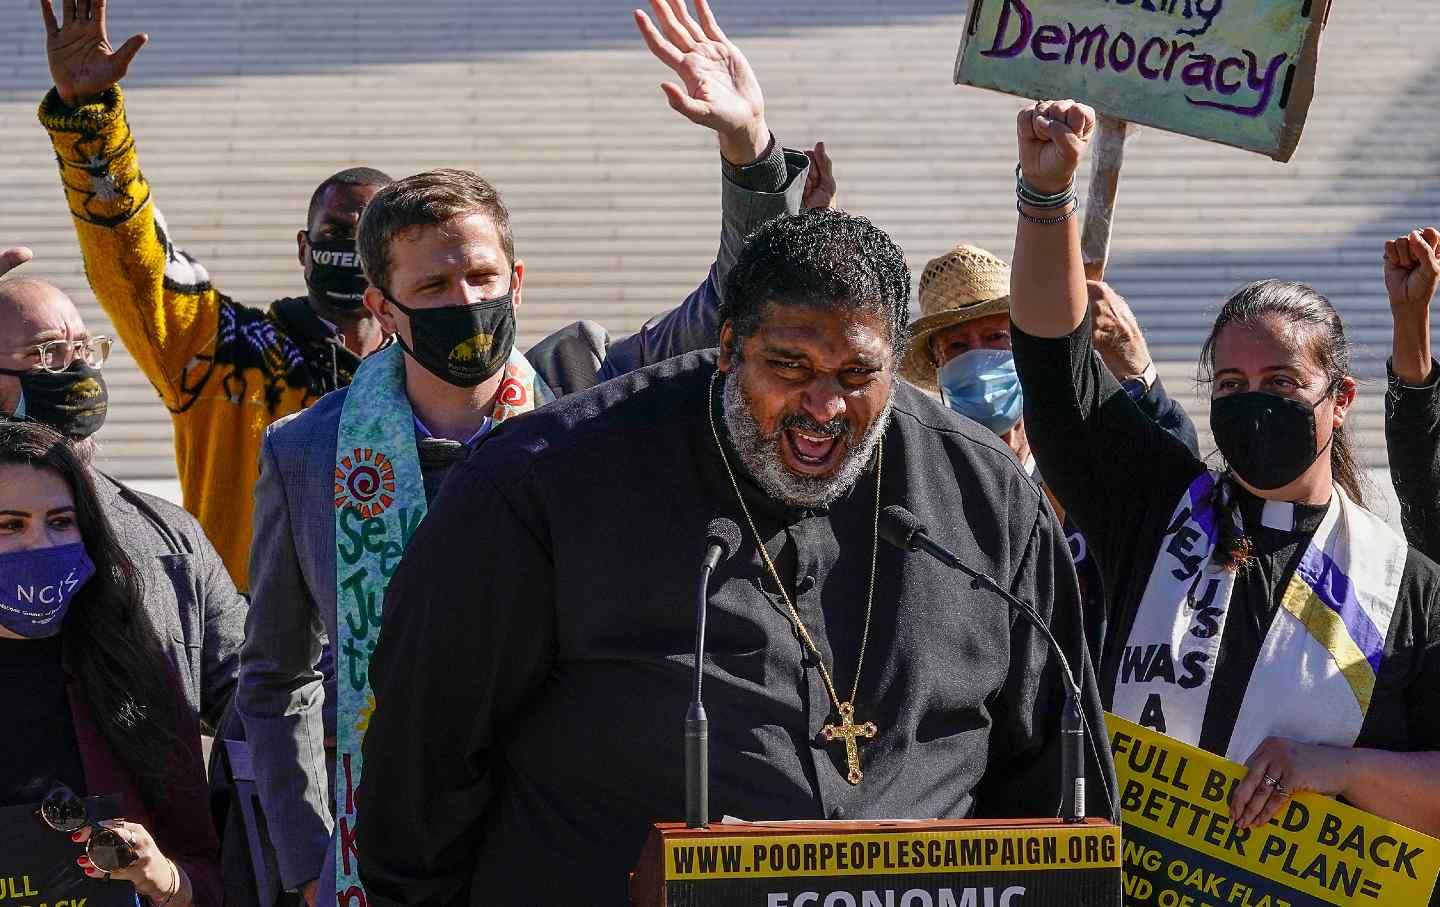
x=82 y=62
x=720 y=89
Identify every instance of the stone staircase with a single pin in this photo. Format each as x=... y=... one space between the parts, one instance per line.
x=241 y=106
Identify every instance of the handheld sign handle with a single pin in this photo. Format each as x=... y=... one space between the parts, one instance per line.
x=1107 y=156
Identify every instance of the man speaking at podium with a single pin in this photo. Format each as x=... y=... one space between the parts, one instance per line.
x=535 y=667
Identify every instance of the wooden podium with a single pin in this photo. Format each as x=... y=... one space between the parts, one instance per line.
x=942 y=863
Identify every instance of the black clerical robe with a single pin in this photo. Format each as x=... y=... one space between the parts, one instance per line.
x=535 y=667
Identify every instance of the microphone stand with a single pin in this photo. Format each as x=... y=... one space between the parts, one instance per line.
x=697 y=731
x=1072 y=719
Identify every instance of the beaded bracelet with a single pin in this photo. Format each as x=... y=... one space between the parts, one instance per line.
x=1036 y=199
x=1024 y=194
x=1046 y=221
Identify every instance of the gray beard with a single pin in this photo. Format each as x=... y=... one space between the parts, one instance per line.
x=761 y=458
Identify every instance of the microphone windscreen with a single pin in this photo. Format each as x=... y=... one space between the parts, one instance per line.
x=899 y=526
x=724 y=532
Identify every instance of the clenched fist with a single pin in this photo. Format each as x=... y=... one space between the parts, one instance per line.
x=1412 y=269
x=1053 y=138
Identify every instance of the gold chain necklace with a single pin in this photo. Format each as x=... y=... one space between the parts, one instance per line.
x=847 y=731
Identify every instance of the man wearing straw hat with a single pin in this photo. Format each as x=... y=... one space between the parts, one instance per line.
x=961 y=349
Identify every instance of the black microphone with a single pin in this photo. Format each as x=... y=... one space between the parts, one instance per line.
x=904 y=530
x=722 y=538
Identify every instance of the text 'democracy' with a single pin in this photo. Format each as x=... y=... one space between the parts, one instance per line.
x=1238 y=72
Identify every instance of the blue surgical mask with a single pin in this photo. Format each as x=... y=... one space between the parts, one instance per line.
x=983 y=385
x=37 y=586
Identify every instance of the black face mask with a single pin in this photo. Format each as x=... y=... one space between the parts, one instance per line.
x=72 y=402
x=1267 y=439
x=461 y=344
x=335 y=276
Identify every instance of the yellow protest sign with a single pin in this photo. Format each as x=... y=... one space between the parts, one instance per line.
x=1240 y=72
x=1182 y=850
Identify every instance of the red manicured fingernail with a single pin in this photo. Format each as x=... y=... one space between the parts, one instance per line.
x=75 y=836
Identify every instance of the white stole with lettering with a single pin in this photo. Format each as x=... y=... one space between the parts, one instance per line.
x=1316 y=671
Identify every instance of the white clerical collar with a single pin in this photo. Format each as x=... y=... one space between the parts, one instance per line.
x=1032 y=469
x=1278 y=515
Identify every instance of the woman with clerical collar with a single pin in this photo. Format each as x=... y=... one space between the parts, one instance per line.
x=1258 y=611
x=83 y=675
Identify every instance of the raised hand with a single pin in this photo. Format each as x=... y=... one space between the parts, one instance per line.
x=720 y=89
x=820 y=191
x=82 y=62
x=1118 y=338
x=1412 y=269
x=1053 y=137
x=10 y=259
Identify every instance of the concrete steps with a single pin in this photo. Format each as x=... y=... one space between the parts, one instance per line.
x=241 y=106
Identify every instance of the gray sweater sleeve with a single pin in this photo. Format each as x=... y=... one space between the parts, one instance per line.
x=695 y=323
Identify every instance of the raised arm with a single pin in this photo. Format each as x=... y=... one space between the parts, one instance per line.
x=1094 y=445
x=760 y=179
x=159 y=299
x=1412 y=405
x=1122 y=347
x=1048 y=297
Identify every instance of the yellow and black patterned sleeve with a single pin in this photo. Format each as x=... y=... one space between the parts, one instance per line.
x=159 y=298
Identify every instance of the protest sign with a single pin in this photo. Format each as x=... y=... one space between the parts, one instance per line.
x=1238 y=72
x=1182 y=850
x=37 y=863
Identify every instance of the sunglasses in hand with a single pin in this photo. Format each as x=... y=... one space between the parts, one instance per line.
x=64 y=811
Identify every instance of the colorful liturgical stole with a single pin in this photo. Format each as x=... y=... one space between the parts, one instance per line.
x=379 y=502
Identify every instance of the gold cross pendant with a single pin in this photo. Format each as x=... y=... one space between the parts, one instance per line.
x=849 y=731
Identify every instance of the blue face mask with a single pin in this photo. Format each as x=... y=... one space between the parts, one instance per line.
x=37 y=586
x=983 y=385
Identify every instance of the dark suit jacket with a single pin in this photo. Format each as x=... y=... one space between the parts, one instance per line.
x=189 y=597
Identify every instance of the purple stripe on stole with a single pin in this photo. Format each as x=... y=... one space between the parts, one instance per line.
x=1338 y=593
x=1202 y=508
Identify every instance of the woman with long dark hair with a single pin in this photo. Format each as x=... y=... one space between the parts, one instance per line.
x=82 y=671
x=1257 y=611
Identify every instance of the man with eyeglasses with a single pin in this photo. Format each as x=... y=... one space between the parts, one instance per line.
x=51 y=372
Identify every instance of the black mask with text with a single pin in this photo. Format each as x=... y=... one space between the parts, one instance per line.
x=1268 y=440
x=73 y=402
x=335 y=276
x=461 y=344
